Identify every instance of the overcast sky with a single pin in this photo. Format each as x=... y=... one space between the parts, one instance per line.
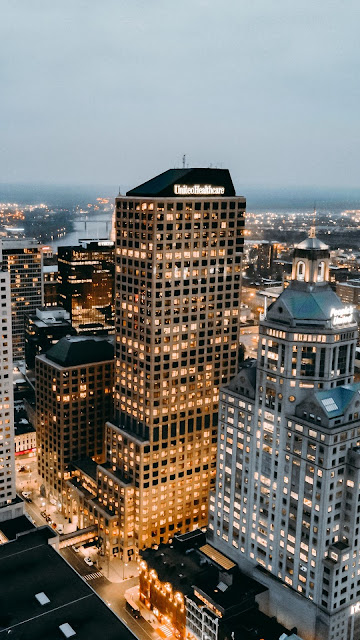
x=115 y=91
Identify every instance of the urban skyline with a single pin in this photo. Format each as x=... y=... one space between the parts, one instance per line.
x=180 y=315
x=111 y=479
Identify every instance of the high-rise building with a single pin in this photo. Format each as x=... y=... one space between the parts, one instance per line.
x=10 y=505
x=86 y=285
x=74 y=398
x=179 y=240
x=23 y=260
x=43 y=329
x=286 y=506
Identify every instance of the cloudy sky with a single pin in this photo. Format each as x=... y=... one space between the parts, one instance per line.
x=115 y=91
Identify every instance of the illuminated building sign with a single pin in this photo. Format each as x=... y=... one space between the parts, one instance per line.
x=355 y=608
x=198 y=190
x=343 y=316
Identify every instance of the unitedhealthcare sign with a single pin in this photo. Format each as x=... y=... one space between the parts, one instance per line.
x=198 y=190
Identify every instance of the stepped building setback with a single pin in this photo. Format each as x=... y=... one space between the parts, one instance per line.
x=176 y=324
x=286 y=506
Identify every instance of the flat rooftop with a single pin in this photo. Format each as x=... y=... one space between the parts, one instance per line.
x=29 y=567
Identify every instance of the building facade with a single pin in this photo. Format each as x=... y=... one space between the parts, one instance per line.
x=286 y=504
x=179 y=240
x=86 y=285
x=197 y=593
x=43 y=329
x=10 y=506
x=74 y=398
x=23 y=260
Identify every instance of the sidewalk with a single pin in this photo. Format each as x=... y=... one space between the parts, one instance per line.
x=117 y=571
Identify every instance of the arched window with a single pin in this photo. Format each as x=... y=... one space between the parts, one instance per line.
x=300 y=270
x=321 y=272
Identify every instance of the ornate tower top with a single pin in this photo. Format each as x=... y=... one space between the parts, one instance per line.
x=311 y=261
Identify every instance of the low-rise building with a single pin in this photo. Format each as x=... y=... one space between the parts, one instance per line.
x=43 y=597
x=25 y=438
x=197 y=593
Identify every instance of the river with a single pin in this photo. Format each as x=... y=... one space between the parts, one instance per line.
x=95 y=227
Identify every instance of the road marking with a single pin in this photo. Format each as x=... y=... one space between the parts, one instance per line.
x=92 y=576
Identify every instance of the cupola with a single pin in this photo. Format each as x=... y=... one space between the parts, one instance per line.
x=311 y=261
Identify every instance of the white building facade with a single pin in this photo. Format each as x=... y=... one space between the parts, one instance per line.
x=287 y=502
x=10 y=505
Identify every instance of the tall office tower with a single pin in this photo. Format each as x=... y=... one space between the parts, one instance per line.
x=179 y=240
x=287 y=504
x=10 y=505
x=74 y=393
x=23 y=260
x=86 y=285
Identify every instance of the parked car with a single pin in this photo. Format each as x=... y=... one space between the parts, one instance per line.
x=89 y=562
x=43 y=514
x=76 y=549
x=60 y=528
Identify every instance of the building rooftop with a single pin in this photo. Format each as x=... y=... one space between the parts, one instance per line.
x=253 y=625
x=23 y=426
x=237 y=596
x=312 y=243
x=32 y=573
x=76 y=350
x=218 y=558
x=14 y=526
x=299 y=302
x=87 y=466
x=163 y=185
x=335 y=401
x=176 y=563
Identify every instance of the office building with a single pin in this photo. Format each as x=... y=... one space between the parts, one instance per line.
x=349 y=292
x=50 y=281
x=23 y=260
x=178 y=250
x=10 y=505
x=179 y=240
x=286 y=504
x=42 y=596
x=43 y=329
x=86 y=285
x=74 y=398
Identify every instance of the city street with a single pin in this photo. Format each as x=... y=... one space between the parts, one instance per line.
x=113 y=593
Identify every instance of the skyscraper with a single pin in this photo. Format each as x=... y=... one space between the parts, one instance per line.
x=286 y=504
x=10 y=505
x=179 y=240
x=23 y=260
x=86 y=285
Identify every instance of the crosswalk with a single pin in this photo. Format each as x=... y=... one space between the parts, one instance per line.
x=92 y=576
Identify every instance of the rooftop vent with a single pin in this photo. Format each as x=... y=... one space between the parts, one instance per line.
x=42 y=598
x=67 y=630
x=222 y=586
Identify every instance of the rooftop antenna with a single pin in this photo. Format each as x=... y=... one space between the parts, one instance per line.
x=184 y=161
x=312 y=233
x=119 y=191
